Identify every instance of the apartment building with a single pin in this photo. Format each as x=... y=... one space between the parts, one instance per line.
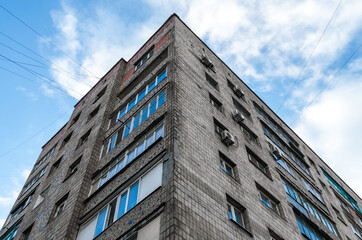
x=171 y=144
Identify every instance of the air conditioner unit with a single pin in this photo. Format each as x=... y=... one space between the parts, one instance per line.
x=238 y=92
x=277 y=152
x=227 y=138
x=207 y=62
x=238 y=116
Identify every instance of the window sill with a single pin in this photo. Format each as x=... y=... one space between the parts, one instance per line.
x=232 y=177
x=240 y=226
x=268 y=176
x=69 y=175
x=270 y=209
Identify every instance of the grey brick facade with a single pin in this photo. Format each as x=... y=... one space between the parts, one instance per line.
x=198 y=197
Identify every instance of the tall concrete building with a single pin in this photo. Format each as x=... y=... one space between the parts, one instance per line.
x=173 y=145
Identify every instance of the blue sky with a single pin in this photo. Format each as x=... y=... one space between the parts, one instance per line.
x=265 y=42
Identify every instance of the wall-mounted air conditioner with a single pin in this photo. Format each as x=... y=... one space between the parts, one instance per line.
x=238 y=116
x=238 y=92
x=227 y=138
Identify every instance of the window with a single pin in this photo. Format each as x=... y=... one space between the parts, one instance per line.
x=236 y=90
x=313 y=190
x=236 y=215
x=135 y=121
x=249 y=135
x=314 y=166
x=75 y=119
x=43 y=159
x=73 y=168
x=26 y=233
x=144 y=58
x=227 y=165
x=324 y=187
x=338 y=214
x=241 y=109
x=93 y=113
x=281 y=145
x=344 y=205
x=266 y=198
x=124 y=202
x=84 y=138
x=216 y=103
x=303 y=204
x=273 y=124
x=21 y=206
x=256 y=161
x=12 y=233
x=41 y=197
x=307 y=229
x=212 y=82
x=274 y=236
x=130 y=154
x=341 y=191
x=66 y=140
x=60 y=206
x=219 y=128
x=35 y=179
x=55 y=166
x=100 y=94
x=356 y=231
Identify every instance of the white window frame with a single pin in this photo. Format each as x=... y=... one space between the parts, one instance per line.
x=137 y=95
x=224 y=163
x=125 y=156
x=119 y=196
x=232 y=208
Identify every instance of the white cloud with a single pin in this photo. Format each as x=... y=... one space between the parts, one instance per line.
x=5 y=201
x=332 y=126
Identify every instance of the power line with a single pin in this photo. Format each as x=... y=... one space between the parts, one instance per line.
x=10 y=38
x=44 y=65
x=325 y=86
x=42 y=76
x=27 y=140
x=37 y=33
x=310 y=56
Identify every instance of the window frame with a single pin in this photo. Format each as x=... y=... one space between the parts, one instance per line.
x=127 y=127
x=124 y=156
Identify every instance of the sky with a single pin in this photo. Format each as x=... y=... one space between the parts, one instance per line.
x=302 y=57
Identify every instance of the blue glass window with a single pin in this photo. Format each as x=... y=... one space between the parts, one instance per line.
x=144 y=114
x=141 y=95
x=122 y=205
x=100 y=222
x=111 y=173
x=230 y=213
x=153 y=107
x=127 y=129
x=122 y=113
x=120 y=165
x=140 y=148
x=130 y=156
x=161 y=76
x=133 y=193
x=161 y=99
x=136 y=120
x=149 y=141
x=112 y=142
x=131 y=104
x=151 y=86
x=159 y=132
